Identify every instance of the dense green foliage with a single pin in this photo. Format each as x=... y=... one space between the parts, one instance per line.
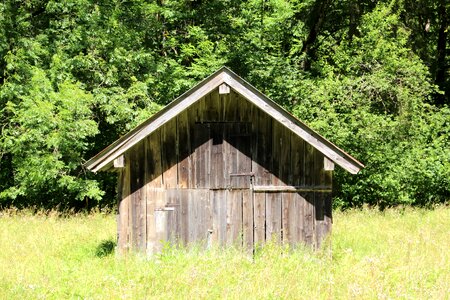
x=372 y=76
x=395 y=254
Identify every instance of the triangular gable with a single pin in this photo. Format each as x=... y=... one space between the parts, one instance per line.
x=105 y=158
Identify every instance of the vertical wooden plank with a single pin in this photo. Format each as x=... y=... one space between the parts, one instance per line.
x=198 y=216
x=231 y=155
x=213 y=106
x=297 y=160
x=273 y=216
x=295 y=220
x=160 y=215
x=193 y=216
x=300 y=203
x=123 y=242
x=244 y=109
x=259 y=217
x=281 y=155
x=287 y=218
x=276 y=151
x=141 y=202
x=263 y=149
x=239 y=154
x=202 y=146
x=219 y=211
x=153 y=156
x=309 y=165
x=231 y=106
x=257 y=165
x=319 y=171
x=234 y=218
x=244 y=159
x=184 y=150
x=153 y=170
x=156 y=201
x=143 y=220
x=192 y=127
x=119 y=199
x=247 y=219
x=169 y=153
x=319 y=218
x=222 y=224
x=145 y=199
x=328 y=218
x=217 y=172
x=209 y=215
x=152 y=179
x=173 y=215
x=285 y=156
x=224 y=104
x=160 y=229
x=201 y=115
x=308 y=222
x=184 y=215
x=137 y=176
x=131 y=206
x=151 y=233
x=319 y=200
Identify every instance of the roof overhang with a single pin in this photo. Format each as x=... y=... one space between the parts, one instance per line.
x=104 y=159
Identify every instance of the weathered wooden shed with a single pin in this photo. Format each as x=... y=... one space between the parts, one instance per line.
x=222 y=164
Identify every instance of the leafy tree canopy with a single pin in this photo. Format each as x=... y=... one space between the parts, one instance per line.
x=372 y=76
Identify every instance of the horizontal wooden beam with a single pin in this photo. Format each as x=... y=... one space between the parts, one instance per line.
x=291 y=189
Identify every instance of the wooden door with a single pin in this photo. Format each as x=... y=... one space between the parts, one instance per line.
x=230 y=181
x=230 y=161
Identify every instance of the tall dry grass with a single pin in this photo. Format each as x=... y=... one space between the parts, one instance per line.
x=396 y=254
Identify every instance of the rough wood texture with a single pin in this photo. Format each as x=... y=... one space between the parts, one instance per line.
x=234 y=218
x=223 y=172
x=184 y=150
x=262 y=131
x=122 y=242
x=273 y=216
x=247 y=220
x=259 y=219
x=219 y=216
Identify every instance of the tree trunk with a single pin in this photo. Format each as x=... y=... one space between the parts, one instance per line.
x=354 y=13
x=441 y=67
x=318 y=15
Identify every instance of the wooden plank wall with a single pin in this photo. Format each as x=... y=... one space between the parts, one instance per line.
x=191 y=181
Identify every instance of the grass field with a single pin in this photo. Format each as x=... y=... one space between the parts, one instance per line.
x=400 y=254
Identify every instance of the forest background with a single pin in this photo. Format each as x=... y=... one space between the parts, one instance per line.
x=371 y=76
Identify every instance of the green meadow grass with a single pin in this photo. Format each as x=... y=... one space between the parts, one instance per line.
x=400 y=254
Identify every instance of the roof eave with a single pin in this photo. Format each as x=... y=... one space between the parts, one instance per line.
x=102 y=160
x=99 y=161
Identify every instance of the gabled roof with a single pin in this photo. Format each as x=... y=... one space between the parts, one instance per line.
x=105 y=158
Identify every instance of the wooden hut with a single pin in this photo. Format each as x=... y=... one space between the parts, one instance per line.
x=222 y=164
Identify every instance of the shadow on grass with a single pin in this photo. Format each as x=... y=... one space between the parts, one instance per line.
x=105 y=248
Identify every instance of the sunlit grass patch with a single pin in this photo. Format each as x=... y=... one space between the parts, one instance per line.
x=371 y=254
